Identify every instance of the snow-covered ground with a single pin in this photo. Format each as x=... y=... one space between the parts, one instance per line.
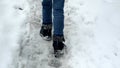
x=91 y=31
x=12 y=18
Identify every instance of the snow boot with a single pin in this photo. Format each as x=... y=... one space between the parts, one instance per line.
x=45 y=31
x=58 y=45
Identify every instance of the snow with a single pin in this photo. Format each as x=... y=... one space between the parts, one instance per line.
x=98 y=35
x=11 y=20
x=91 y=31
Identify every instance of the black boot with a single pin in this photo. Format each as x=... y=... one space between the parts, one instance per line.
x=58 y=45
x=45 y=31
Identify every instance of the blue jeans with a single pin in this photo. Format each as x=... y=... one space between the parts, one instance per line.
x=58 y=14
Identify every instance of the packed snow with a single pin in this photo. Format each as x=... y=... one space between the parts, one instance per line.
x=91 y=31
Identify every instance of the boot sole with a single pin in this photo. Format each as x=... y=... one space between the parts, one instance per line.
x=46 y=38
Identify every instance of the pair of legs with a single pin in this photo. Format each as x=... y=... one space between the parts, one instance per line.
x=58 y=15
x=55 y=8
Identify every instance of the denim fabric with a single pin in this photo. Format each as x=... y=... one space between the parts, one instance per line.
x=58 y=14
x=47 y=11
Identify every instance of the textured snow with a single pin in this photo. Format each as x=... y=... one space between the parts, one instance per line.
x=11 y=20
x=91 y=31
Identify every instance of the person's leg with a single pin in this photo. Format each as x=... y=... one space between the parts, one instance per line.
x=47 y=11
x=58 y=21
x=46 y=28
x=58 y=13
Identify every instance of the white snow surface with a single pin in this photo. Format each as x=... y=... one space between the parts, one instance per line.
x=11 y=20
x=91 y=31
